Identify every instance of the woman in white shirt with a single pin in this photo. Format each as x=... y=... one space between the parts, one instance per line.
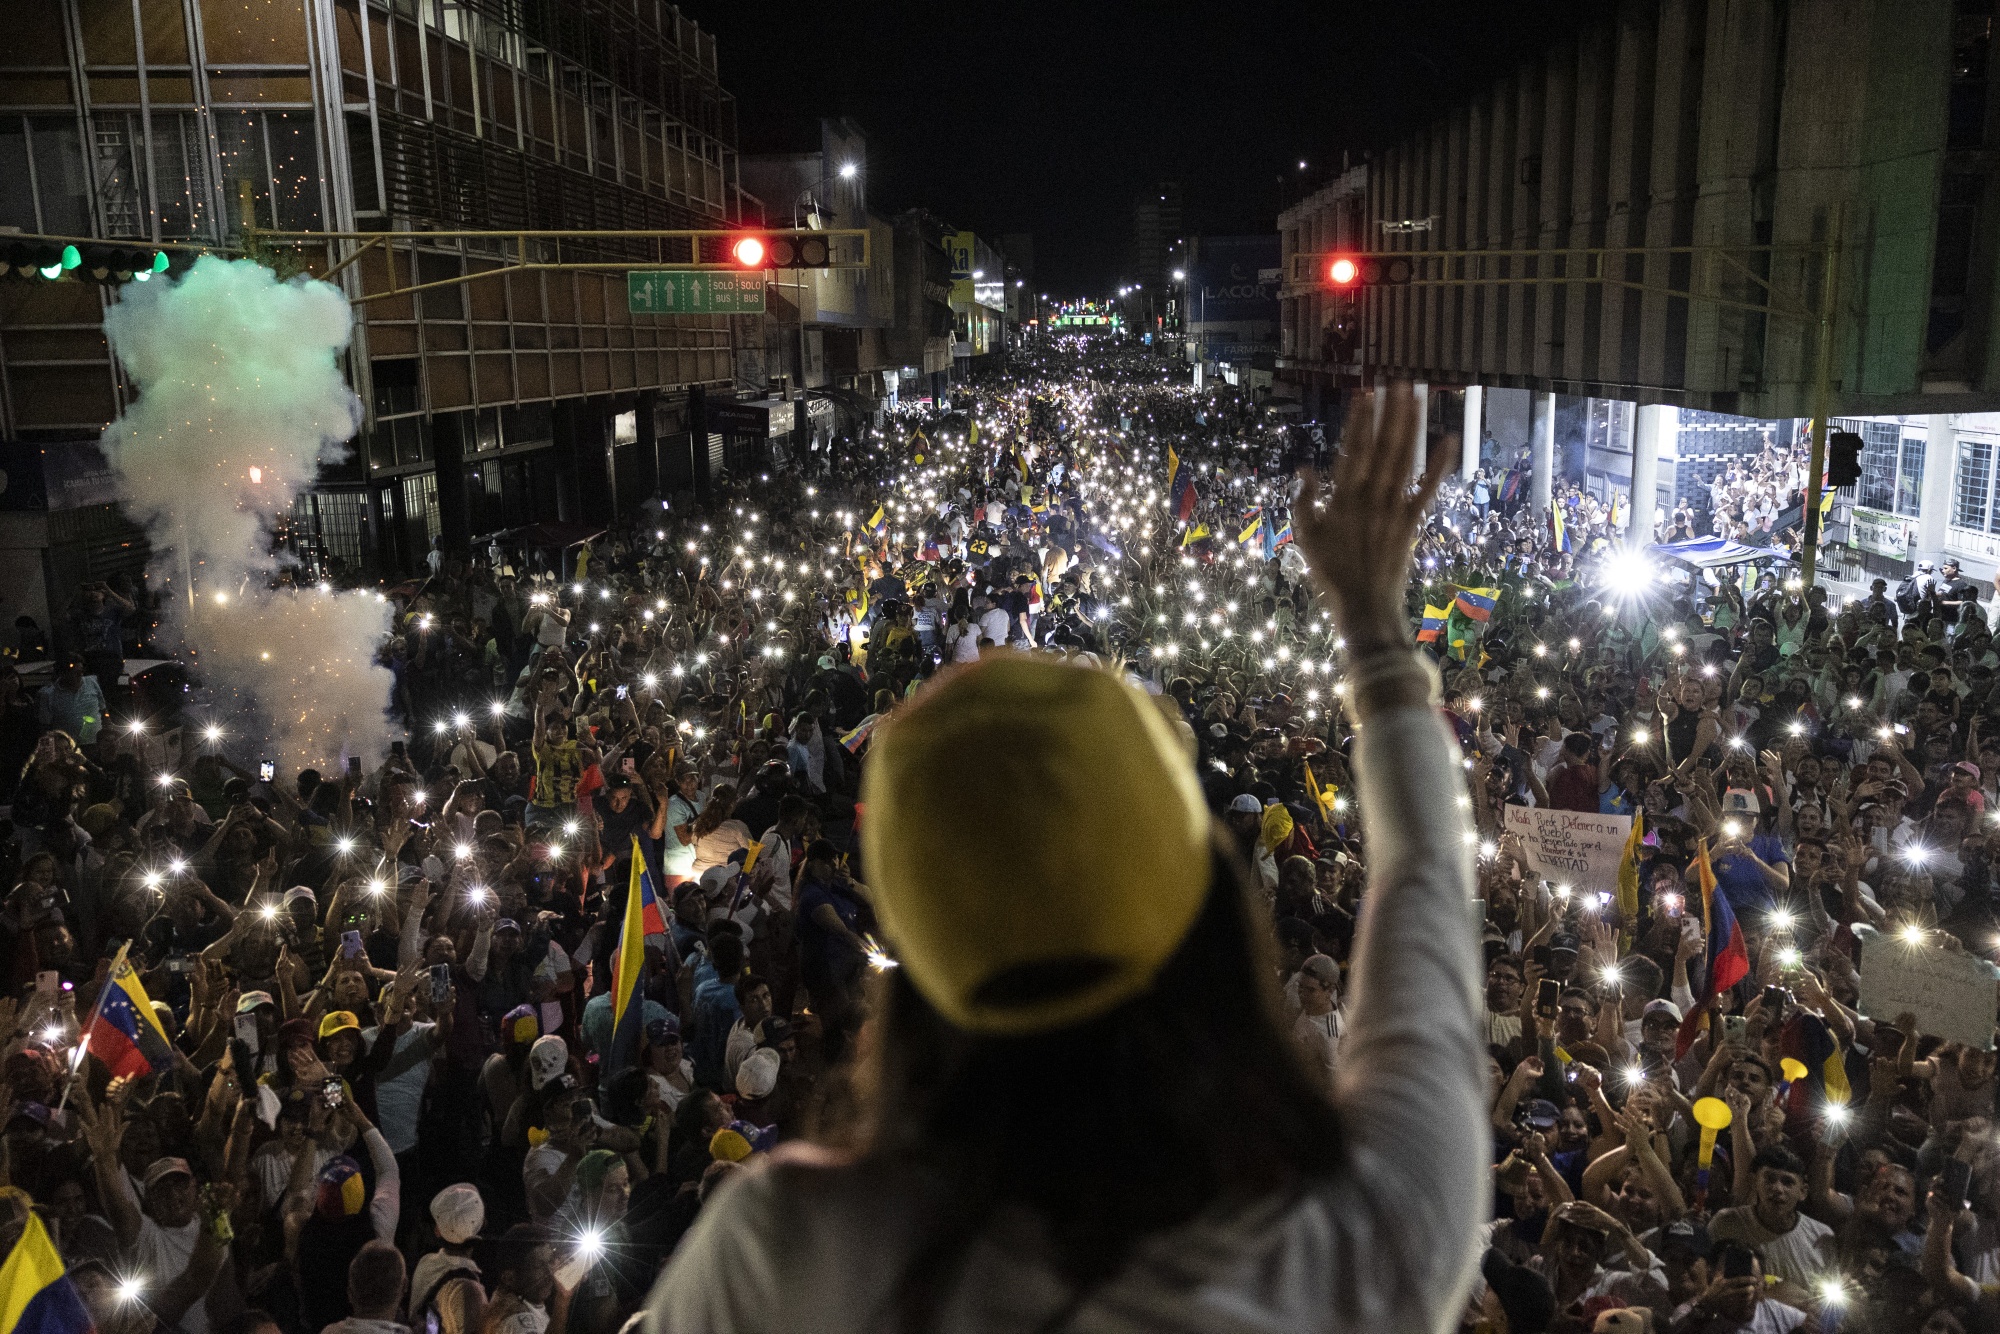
x=717 y=833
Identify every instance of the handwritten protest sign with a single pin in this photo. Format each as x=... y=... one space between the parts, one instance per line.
x=1952 y=994
x=1571 y=847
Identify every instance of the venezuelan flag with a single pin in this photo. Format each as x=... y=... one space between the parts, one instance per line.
x=36 y=1297
x=1284 y=535
x=628 y=1010
x=652 y=910
x=1173 y=468
x=1256 y=521
x=1195 y=534
x=856 y=739
x=124 y=1032
x=878 y=523
x=1433 y=624
x=1806 y=1039
x=1628 y=872
x=1561 y=528
x=1322 y=796
x=1728 y=956
x=1476 y=604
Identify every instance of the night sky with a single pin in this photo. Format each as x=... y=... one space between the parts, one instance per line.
x=1049 y=119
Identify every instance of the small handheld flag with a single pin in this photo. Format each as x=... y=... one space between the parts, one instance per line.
x=123 y=1032
x=36 y=1296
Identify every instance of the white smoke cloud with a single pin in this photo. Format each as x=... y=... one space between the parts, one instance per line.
x=241 y=398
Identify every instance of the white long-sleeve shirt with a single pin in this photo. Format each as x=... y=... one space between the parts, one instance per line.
x=1387 y=1242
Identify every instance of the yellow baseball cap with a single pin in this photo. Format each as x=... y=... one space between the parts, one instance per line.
x=1035 y=840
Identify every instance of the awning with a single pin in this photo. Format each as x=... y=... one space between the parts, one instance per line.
x=546 y=535
x=1707 y=553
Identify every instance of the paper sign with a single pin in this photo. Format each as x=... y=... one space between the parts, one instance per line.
x=1573 y=848
x=1952 y=994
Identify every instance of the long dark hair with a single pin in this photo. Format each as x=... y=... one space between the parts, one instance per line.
x=1109 y=1130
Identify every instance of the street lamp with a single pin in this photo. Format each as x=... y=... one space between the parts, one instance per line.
x=1180 y=275
x=847 y=170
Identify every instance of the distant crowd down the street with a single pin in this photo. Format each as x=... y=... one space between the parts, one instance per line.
x=544 y=1018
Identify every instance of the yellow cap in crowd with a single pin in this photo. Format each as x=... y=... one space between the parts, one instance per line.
x=1035 y=841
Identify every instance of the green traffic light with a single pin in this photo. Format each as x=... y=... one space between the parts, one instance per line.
x=71 y=257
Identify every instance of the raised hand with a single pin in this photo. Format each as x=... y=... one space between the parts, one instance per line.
x=1358 y=537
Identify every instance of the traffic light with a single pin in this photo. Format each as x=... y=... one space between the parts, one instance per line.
x=104 y=262
x=781 y=250
x=1347 y=272
x=1843 y=458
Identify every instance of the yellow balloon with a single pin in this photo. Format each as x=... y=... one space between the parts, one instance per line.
x=1793 y=1068
x=1712 y=1114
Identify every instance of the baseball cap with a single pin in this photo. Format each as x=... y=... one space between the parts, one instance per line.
x=547 y=1059
x=163 y=1168
x=1541 y=1112
x=758 y=1074
x=1969 y=767
x=343 y=1191
x=729 y=1145
x=1740 y=801
x=507 y=924
x=659 y=1032
x=1689 y=1236
x=459 y=1213
x=773 y=1031
x=338 y=1021
x=1523 y=1294
x=250 y=1000
x=1006 y=939
x=1661 y=1006
x=297 y=892
x=1247 y=803
x=520 y=1024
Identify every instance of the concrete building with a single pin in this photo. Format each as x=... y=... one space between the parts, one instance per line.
x=825 y=333
x=1735 y=142
x=1232 y=309
x=491 y=404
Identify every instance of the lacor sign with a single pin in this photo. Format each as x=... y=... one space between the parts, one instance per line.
x=1879 y=532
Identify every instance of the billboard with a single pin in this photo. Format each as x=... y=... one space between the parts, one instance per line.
x=1234 y=281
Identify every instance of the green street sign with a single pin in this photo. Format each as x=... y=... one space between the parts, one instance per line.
x=693 y=292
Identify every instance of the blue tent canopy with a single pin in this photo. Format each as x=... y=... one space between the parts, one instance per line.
x=1707 y=553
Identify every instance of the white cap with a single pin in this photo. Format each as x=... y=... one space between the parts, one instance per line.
x=459 y=1213
x=547 y=1059
x=1247 y=803
x=758 y=1074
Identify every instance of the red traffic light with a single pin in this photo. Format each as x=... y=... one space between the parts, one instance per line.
x=748 y=251
x=1343 y=272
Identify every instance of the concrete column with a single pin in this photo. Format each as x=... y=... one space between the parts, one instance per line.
x=1648 y=428
x=1469 y=433
x=1423 y=394
x=1934 y=501
x=1542 y=444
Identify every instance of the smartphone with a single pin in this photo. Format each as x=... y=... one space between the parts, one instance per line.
x=1541 y=956
x=246 y=1031
x=440 y=983
x=350 y=944
x=267 y=771
x=624 y=692
x=1955 y=1183
x=1774 y=1003
x=47 y=982
x=631 y=765
x=354 y=766
x=330 y=1091
x=1735 y=1028
x=1548 y=996
x=396 y=749
x=1738 y=1262
x=1888 y=1041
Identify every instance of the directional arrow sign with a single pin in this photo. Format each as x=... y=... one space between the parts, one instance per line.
x=693 y=292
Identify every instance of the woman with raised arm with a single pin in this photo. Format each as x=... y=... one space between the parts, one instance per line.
x=1083 y=1111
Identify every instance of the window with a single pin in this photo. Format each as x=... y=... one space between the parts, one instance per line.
x=1972 y=483
x=1892 y=468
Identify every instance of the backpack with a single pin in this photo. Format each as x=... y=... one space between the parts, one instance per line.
x=1908 y=596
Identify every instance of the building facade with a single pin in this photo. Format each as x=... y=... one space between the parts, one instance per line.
x=490 y=404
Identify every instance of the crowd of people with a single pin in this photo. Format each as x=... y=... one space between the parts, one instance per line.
x=373 y=1074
